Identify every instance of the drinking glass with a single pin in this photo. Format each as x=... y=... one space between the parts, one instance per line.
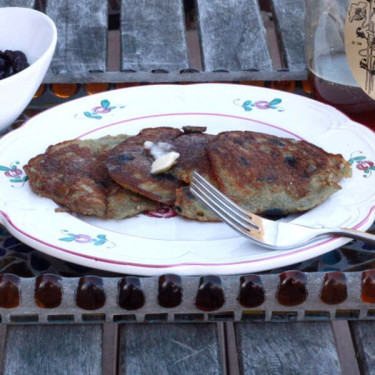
x=329 y=73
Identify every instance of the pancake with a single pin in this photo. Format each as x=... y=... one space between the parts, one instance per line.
x=193 y=157
x=189 y=207
x=271 y=175
x=129 y=164
x=73 y=174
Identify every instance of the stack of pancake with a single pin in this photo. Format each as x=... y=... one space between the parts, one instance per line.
x=111 y=177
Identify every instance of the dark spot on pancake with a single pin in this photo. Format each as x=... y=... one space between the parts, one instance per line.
x=276 y=142
x=164 y=177
x=125 y=157
x=238 y=141
x=245 y=162
x=270 y=178
x=291 y=161
x=178 y=209
x=274 y=214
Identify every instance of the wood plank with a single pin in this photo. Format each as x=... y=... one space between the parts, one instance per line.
x=289 y=16
x=110 y=348
x=233 y=36
x=18 y=3
x=172 y=349
x=3 y=337
x=363 y=333
x=153 y=35
x=287 y=348
x=344 y=346
x=82 y=35
x=53 y=349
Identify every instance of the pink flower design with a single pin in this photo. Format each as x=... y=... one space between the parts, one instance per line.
x=100 y=109
x=13 y=173
x=164 y=212
x=262 y=104
x=364 y=165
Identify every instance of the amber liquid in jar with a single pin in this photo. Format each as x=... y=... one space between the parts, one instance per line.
x=333 y=83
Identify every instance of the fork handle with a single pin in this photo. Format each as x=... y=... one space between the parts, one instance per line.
x=352 y=233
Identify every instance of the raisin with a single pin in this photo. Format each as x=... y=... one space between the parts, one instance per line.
x=12 y=62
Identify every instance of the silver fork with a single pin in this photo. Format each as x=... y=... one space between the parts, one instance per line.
x=275 y=235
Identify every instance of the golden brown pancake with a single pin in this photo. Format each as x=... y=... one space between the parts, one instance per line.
x=73 y=174
x=129 y=164
x=268 y=174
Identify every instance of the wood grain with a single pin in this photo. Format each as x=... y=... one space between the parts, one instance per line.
x=233 y=36
x=18 y=3
x=169 y=349
x=153 y=35
x=289 y=16
x=82 y=35
x=53 y=349
x=363 y=333
x=287 y=348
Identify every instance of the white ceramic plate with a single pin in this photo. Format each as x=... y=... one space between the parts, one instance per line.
x=151 y=245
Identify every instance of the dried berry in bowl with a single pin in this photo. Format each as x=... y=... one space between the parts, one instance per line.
x=12 y=62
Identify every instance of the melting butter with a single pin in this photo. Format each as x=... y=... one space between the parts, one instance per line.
x=164 y=157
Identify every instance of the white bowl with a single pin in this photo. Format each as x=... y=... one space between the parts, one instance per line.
x=35 y=34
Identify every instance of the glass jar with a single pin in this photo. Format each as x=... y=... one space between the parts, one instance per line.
x=329 y=73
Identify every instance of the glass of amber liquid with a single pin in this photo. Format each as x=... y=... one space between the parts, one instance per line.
x=329 y=73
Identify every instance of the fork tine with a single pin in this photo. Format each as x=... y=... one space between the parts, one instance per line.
x=220 y=212
x=198 y=179
x=221 y=199
x=230 y=216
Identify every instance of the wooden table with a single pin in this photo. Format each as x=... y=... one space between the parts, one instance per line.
x=119 y=43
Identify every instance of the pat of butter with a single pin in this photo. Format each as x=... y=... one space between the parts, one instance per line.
x=164 y=162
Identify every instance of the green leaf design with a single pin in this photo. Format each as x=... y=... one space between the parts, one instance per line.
x=4 y=169
x=105 y=103
x=275 y=102
x=67 y=239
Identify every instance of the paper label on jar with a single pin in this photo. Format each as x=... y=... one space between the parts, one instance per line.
x=360 y=43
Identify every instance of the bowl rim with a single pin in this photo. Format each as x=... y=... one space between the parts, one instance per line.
x=50 y=49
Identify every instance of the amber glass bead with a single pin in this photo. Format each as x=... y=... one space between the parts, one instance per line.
x=170 y=291
x=368 y=286
x=64 y=90
x=9 y=291
x=288 y=86
x=128 y=84
x=210 y=294
x=306 y=87
x=94 y=88
x=334 y=289
x=292 y=288
x=90 y=293
x=130 y=294
x=251 y=291
x=253 y=83
x=48 y=291
x=40 y=91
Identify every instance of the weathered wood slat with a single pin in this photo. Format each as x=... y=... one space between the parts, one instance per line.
x=287 y=348
x=53 y=349
x=82 y=35
x=153 y=35
x=289 y=18
x=364 y=337
x=233 y=36
x=345 y=348
x=18 y=3
x=173 y=350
